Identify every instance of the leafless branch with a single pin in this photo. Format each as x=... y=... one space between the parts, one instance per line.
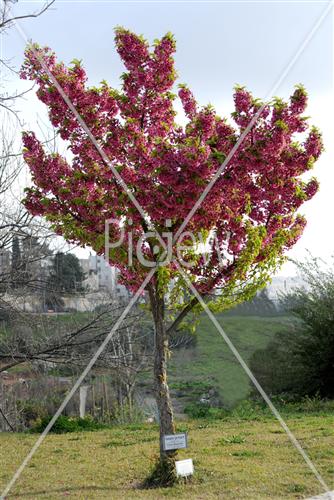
x=6 y=19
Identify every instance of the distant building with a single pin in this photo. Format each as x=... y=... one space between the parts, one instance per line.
x=91 y=281
x=101 y=276
x=283 y=284
x=105 y=273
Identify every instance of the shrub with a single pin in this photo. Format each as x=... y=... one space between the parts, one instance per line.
x=299 y=362
x=67 y=424
x=202 y=410
x=30 y=411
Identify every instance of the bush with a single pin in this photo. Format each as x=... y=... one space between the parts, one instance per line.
x=67 y=424
x=30 y=411
x=300 y=362
x=202 y=410
x=250 y=410
x=258 y=410
x=278 y=368
x=312 y=405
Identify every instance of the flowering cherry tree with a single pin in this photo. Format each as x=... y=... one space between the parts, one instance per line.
x=245 y=224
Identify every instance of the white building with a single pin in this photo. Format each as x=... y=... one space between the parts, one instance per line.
x=106 y=274
x=91 y=281
x=101 y=276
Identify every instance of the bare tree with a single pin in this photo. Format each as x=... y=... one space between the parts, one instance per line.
x=15 y=221
x=51 y=339
x=7 y=20
x=66 y=344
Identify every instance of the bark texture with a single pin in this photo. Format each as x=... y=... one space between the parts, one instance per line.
x=165 y=470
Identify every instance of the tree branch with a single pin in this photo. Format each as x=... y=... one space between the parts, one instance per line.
x=182 y=315
x=6 y=22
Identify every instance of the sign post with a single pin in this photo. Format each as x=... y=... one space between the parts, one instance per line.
x=184 y=468
x=175 y=441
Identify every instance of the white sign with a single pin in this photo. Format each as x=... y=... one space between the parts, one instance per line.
x=184 y=468
x=175 y=441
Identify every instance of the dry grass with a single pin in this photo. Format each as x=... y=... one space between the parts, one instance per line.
x=233 y=459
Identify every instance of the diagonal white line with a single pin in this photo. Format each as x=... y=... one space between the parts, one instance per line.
x=279 y=81
x=251 y=376
x=256 y=116
x=81 y=121
x=141 y=211
x=228 y=158
x=76 y=385
x=205 y=192
x=85 y=127
x=326 y=496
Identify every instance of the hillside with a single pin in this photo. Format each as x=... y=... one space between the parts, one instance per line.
x=210 y=364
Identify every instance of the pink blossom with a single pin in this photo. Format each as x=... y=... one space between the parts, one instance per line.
x=165 y=165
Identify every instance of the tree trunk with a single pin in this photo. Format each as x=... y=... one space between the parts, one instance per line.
x=165 y=470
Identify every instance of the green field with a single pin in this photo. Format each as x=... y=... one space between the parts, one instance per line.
x=212 y=362
x=233 y=459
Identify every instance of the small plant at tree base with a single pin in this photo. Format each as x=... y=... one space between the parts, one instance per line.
x=163 y=472
x=246 y=223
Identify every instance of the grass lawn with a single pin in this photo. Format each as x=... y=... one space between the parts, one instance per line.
x=232 y=458
x=212 y=362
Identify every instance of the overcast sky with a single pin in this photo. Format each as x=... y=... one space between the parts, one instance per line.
x=219 y=44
